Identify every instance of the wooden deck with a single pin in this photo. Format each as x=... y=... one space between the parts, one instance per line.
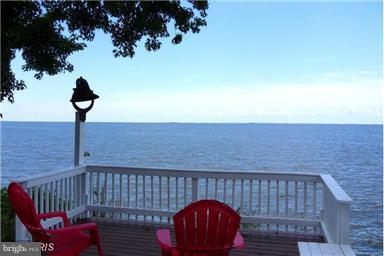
x=139 y=239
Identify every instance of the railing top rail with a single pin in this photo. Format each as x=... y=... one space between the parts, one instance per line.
x=50 y=176
x=198 y=173
x=338 y=193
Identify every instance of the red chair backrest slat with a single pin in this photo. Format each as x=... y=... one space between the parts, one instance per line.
x=25 y=209
x=206 y=225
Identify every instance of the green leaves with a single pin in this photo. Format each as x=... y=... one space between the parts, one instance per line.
x=48 y=32
x=7 y=218
x=177 y=39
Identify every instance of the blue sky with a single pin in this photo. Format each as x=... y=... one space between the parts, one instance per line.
x=279 y=62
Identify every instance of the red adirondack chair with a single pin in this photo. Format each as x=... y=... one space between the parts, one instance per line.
x=206 y=227
x=67 y=241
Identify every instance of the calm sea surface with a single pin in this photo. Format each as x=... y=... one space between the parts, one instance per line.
x=352 y=154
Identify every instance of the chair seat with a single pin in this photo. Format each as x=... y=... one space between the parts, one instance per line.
x=65 y=244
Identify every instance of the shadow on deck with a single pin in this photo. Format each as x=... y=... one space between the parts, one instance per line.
x=140 y=239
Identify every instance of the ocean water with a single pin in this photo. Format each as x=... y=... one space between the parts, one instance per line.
x=352 y=154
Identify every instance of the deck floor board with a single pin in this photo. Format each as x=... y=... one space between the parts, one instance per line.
x=121 y=239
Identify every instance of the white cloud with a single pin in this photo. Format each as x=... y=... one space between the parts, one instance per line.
x=337 y=103
x=328 y=102
x=357 y=75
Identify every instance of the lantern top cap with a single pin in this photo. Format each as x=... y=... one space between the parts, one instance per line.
x=82 y=92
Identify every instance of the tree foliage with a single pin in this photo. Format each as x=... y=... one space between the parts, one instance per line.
x=48 y=32
x=7 y=218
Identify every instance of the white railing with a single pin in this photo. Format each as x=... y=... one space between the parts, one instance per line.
x=283 y=202
x=58 y=191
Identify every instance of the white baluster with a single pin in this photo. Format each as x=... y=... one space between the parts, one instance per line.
x=215 y=189
x=241 y=196
x=277 y=197
x=113 y=191
x=233 y=192
x=177 y=193
x=250 y=196
x=185 y=191
x=259 y=198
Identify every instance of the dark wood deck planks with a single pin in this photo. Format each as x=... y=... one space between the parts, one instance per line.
x=120 y=239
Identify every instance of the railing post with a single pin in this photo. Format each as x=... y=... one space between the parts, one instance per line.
x=79 y=141
x=20 y=230
x=195 y=189
x=80 y=190
x=336 y=212
x=21 y=233
x=80 y=186
x=85 y=196
x=344 y=222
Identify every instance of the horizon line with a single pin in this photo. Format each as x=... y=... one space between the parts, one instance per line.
x=176 y=122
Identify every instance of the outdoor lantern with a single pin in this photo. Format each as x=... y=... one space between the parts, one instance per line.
x=82 y=92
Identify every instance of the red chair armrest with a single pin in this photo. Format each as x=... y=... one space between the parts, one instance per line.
x=238 y=242
x=48 y=215
x=81 y=227
x=164 y=239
